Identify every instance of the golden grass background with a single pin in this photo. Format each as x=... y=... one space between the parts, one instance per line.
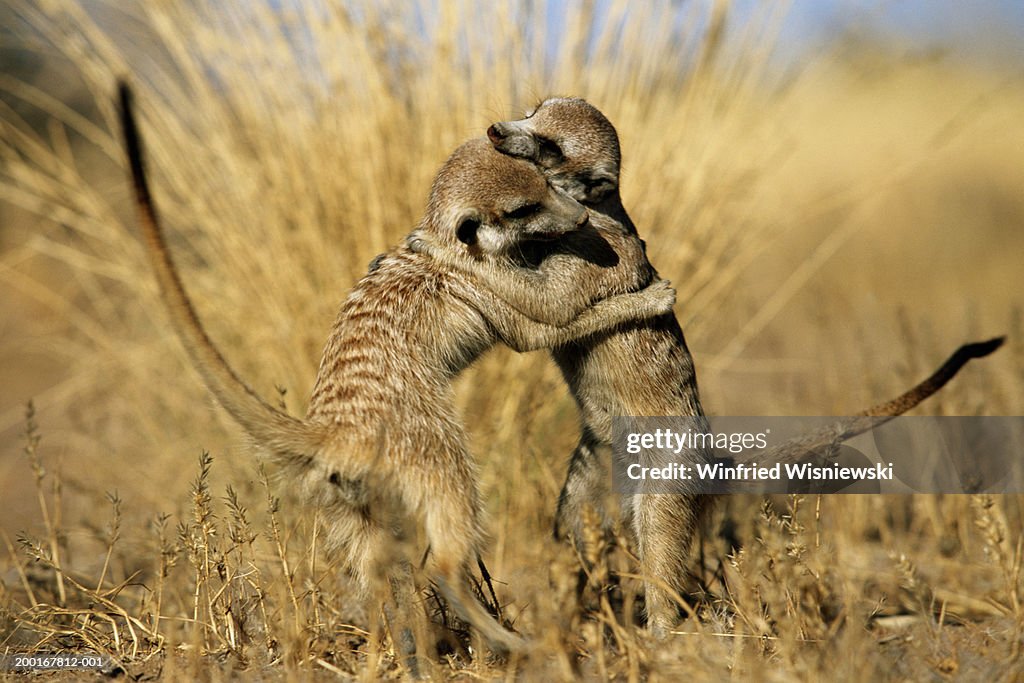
x=833 y=234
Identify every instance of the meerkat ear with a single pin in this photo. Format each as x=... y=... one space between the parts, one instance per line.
x=466 y=229
x=589 y=186
x=548 y=152
x=599 y=183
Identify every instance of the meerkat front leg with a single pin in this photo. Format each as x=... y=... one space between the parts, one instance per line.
x=525 y=334
x=531 y=292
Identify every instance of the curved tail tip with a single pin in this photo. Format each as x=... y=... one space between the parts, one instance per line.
x=982 y=349
x=125 y=101
x=126 y=114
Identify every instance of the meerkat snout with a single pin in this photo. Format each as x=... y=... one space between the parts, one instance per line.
x=508 y=138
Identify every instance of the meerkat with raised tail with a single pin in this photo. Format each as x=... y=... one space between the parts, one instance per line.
x=643 y=369
x=381 y=440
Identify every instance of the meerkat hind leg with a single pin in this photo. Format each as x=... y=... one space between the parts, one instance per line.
x=378 y=559
x=586 y=483
x=407 y=622
x=664 y=526
x=454 y=532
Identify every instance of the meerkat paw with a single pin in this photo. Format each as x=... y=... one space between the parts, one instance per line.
x=420 y=244
x=657 y=298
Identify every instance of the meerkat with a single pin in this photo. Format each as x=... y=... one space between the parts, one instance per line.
x=381 y=443
x=642 y=369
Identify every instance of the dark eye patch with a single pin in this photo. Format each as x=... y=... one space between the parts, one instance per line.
x=549 y=153
x=524 y=211
x=598 y=184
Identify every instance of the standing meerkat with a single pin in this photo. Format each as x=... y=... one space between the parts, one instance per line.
x=643 y=369
x=381 y=443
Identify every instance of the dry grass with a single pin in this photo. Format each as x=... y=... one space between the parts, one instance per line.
x=830 y=241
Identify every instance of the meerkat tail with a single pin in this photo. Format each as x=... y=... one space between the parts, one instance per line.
x=469 y=609
x=290 y=439
x=960 y=358
x=798 y=447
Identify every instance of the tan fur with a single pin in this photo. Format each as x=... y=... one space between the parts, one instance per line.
x=381 y=444
x=644 y=369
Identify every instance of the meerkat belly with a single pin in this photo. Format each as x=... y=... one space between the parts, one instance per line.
x=644 y=370
x=398 y=341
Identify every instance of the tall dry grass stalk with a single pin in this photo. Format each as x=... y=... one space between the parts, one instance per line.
x=859 y=216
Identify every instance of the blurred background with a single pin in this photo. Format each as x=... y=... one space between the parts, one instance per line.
x=835 y=188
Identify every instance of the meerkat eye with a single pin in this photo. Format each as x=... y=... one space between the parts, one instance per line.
x=524 y=211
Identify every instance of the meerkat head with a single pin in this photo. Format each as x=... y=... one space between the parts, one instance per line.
x=571 y=141
x=489 y=203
